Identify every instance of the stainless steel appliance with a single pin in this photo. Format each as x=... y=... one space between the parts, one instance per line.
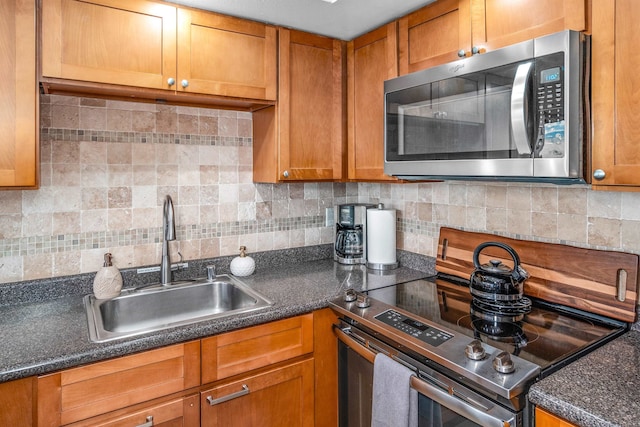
x=473 y=363
x=350 y=232
x=518 y=113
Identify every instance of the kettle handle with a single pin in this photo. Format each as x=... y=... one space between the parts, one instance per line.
x=517 y=272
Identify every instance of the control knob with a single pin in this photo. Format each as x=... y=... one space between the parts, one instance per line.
x=474 y=350
x=503 y=363
x=363 y=301
x=350 y=295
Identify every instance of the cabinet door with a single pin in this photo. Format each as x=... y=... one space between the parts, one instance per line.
x=16 y=402
x=179 y=412
x=19 y=155
x=310 y=107
x=124 y=42
x=371 y=59
x=279 y=397
x=434 y=35
x=615 y=93
x=87 y=391
x=546 y=419
x=226 y=56
x=499 y=23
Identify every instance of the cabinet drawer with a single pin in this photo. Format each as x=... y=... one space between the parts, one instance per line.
x=247 y=349
x=279 y=397
x=183 y=412
x=76 y=394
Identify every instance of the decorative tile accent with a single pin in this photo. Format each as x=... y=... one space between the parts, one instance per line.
x=74 y=135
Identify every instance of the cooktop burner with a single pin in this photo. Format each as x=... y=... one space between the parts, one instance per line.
x=534 y=331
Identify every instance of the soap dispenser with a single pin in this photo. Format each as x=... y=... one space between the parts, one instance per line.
x=108 y=280
x=242 y=265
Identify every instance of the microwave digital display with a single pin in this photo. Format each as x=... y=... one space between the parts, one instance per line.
x=550 y=75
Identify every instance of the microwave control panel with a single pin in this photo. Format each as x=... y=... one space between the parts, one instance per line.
x=550 y=98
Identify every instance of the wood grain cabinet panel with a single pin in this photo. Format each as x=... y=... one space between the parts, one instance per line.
x=84 y=392
x=176 y=412
x=153 y=45
x=467 y=27
x=226 y=56
x=16 y=402
x=302 y=138
x=547 y=419
x=371 y=59
x=241 y=351
x=19 y=147
x=123 y=42
x=279 y=397
x=616 y=94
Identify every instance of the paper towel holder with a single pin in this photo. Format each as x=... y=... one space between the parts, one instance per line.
x=380 y=266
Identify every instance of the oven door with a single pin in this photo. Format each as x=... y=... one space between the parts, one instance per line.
x=441 y=401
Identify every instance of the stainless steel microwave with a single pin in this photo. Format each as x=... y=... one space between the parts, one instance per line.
x=520 y=113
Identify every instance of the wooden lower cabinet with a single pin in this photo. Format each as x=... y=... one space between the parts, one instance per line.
x=275 y=374
x=16 y=402
x=81 y=393
x=279 y=397
x=547 y=419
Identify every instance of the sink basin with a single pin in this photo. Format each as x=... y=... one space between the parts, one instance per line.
x=154 y=308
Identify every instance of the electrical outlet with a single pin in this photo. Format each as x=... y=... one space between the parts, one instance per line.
x=329 y=219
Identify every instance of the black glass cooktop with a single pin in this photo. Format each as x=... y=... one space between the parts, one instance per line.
x=549 y=336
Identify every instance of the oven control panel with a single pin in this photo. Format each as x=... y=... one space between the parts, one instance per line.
x=425 y=333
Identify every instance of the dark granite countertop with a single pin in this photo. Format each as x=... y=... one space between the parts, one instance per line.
x=44 y=336
x=601 y=389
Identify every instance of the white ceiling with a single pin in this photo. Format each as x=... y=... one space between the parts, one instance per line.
x=344 y=19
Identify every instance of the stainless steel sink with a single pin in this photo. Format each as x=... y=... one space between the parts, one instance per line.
x=154 y=308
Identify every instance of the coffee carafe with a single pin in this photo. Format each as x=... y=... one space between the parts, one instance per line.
x=350 y=233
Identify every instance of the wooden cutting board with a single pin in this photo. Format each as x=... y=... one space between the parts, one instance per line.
x=601 y=282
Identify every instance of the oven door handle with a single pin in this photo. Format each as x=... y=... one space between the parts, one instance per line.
x=353 y=344
x=458 y=404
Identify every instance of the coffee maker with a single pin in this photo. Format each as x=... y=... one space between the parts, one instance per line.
x=351 y=233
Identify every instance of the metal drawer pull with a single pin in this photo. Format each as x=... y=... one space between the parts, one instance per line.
x=149 y=422
x=212 y=401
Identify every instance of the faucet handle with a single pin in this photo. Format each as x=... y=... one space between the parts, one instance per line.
x=211 y=273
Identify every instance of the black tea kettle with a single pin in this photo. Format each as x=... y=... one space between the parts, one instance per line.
x=495 y=281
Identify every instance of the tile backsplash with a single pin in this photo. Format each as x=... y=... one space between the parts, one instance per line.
x=107 y=165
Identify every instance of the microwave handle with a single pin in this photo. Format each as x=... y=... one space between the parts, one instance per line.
x=519 y=110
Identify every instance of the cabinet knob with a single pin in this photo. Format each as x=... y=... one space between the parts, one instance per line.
x=285 y=174
x=184 y=83
x=171 y=81
x=462 y=53
x=599 y=174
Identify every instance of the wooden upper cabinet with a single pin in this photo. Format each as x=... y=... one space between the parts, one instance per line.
x=434 y=35
x=302 y=139
x=19 y=154
x=145 y=44
x=616 y=94
x=226 y=56
x=499 y=23
x=123 y=42
x=449 y=29
x=371 y=59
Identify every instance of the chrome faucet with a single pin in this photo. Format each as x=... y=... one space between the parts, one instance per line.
x=168 y=233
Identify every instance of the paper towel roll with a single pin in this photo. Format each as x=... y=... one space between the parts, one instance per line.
x=381 y=239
